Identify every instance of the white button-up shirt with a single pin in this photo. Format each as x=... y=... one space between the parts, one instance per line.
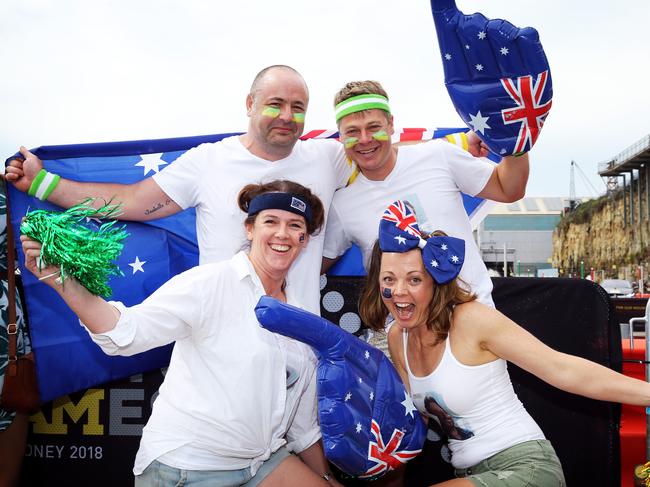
x=229 y=398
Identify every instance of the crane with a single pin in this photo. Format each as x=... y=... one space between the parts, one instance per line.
x=572 y=187
x=573 y=200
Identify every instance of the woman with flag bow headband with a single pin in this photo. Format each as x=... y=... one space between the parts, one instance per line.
x=236 y=399
x=451 y=352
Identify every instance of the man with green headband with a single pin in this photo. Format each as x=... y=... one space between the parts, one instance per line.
x=430 y=176
x=210 y=176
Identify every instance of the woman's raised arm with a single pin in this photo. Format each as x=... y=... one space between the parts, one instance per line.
x=95 y=313
x=504 y=338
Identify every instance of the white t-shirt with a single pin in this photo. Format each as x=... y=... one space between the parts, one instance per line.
x=210 y=176
x=476 y=406
x=431 y=177
x=226 y=402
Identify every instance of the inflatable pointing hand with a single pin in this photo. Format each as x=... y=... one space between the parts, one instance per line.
x=497 y=76
x=368 y=421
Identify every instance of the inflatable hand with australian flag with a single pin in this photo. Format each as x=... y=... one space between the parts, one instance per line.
x=497 y=76
x=368 y=421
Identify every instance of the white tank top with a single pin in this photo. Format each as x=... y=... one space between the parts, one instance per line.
x=475 y=405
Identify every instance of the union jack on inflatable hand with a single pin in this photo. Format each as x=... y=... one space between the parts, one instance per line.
x=368 y=421
x=497 y=76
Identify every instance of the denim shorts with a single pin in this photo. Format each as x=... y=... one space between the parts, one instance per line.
x=529 y=464
x=160 y=475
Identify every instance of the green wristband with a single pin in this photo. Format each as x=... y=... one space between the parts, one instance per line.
x=43 y=184
x=36 y=182
x=54 y=181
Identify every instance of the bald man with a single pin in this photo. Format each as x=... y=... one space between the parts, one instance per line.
x=210 y=176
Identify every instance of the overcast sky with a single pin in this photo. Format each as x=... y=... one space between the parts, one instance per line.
x=76 y=71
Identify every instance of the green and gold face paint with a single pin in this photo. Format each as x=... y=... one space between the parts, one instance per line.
x=381 y=135
x=350 y=142
x=271 y=112
x=298 y=117
x=274 y=112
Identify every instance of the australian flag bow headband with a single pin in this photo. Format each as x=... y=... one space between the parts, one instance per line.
x=443 y=257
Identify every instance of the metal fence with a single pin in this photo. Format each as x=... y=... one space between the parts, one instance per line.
x=627 y=154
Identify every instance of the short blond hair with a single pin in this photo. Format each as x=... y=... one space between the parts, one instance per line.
x=354 y=88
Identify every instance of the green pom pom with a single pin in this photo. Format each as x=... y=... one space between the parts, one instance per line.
x=80 y=252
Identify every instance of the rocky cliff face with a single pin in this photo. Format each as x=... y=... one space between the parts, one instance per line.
x=597 y=234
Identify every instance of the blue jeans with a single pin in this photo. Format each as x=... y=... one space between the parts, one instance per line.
x=160 y=475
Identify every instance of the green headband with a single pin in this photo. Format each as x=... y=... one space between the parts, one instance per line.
x=359 y=103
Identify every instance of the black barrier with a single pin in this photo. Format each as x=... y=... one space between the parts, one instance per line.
x=574 y=316
x=91 y=437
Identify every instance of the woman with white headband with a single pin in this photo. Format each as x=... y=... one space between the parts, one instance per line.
x=451 y=352
x=236 y=399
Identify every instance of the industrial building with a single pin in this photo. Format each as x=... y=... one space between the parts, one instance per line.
x=518 y=236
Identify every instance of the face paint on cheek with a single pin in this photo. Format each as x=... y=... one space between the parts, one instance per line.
x=380 y=135
x=387 y=293
x=298 y=117
x=350 y=142
x=301 y=238
x=271 y=112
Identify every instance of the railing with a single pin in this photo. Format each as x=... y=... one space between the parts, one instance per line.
x=645 y=319
x=627 y=154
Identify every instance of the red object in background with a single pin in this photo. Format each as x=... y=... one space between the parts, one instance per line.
x=633 y=418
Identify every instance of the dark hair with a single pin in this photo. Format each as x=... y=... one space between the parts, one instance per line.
x=445 y=296
x=250 y=191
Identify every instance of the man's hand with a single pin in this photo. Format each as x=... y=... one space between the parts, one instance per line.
x=476 y=146
x=21 y=172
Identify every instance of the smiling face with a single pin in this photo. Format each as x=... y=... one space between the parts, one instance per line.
x=276 y=109
x=277 y=237
x=411 y=287
x=373 y=151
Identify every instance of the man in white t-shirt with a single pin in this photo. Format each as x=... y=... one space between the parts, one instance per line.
x=210 y=176
x=430 y=176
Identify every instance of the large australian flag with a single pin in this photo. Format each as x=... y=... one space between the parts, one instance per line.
x=67 y=360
